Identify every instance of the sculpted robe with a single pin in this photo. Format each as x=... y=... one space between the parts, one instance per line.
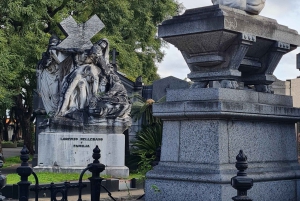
x=251 y=6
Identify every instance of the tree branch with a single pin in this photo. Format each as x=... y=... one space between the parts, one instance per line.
x=64 y=3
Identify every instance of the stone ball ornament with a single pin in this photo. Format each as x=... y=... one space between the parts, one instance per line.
x=250 y=6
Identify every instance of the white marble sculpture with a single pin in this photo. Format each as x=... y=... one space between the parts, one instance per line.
x=76 y=82
x=81 y=84
x=251 y=6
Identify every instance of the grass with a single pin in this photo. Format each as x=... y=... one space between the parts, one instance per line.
x=136 y=176
x=12 y=161
x=47 y=177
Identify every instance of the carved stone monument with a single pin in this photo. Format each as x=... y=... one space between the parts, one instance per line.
x=85 y=101
x=232 y=56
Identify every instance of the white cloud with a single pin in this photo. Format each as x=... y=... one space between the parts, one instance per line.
x=286 y=12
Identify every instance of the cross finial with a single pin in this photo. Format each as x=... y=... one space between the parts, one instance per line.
x=79 y=35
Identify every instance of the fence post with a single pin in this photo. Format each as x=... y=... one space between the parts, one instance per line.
x=95 y=168
x=242 y=183
x=24 y=171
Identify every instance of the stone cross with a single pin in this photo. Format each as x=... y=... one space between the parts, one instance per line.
x=79 y=35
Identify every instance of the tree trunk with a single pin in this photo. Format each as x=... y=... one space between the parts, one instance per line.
x=1 y=130
x=5 y=129
x=23 y=113
x=26 y=133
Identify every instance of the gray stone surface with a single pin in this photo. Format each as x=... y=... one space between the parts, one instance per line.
x=262 y=141
x=206 y=136
x=227 y=103
x=193 y=21
x=273 y=190
x=72 y=152
x=262 y=191
x=225 y=109
x=161 y=86
x=170 y=141
x=204 y=129
x=230 y=95
x=179 y=191
x=79 y=35
x=222 y=43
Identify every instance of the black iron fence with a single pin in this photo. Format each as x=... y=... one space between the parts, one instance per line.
x=242 y=183
x=61 y=190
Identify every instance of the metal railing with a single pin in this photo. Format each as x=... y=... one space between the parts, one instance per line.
x=61 y=189
x=242 y=183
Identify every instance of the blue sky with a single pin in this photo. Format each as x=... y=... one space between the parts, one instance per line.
x=286 y=12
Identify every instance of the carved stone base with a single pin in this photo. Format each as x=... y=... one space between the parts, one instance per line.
x=114 y=172
x=67 y=152
x=91 y=125
x=204 y=130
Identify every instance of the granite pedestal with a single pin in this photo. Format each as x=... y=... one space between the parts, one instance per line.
x=203 y=131
x=222 y=43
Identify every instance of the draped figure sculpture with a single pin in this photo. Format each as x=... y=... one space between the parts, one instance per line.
x=79 y=86
x=116 y=102
x=112 y=100
x=93 y=87
x=251 y=6
x=48 y=74
x=81 y=83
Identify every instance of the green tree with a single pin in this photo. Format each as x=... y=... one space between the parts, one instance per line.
x=26 y=26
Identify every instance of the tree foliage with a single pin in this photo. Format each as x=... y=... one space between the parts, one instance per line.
x=26 y=26
x=149 y=138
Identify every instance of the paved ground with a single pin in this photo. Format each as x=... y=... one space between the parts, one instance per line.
x=120 y=196
x=9 y=152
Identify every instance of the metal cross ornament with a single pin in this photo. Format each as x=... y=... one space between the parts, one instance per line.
x=79 y=35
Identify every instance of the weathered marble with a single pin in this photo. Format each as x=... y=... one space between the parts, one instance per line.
x=79 y=35
x=71 y=152
x=84 y=99
x=76 y=79
x=251 y=6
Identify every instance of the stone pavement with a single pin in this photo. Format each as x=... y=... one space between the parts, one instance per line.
x=119 y=196
x=10 y=152
x=130 y=195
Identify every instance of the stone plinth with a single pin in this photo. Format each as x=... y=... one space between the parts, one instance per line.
x=71 y=152
x=222 y=43
x=203 y=131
